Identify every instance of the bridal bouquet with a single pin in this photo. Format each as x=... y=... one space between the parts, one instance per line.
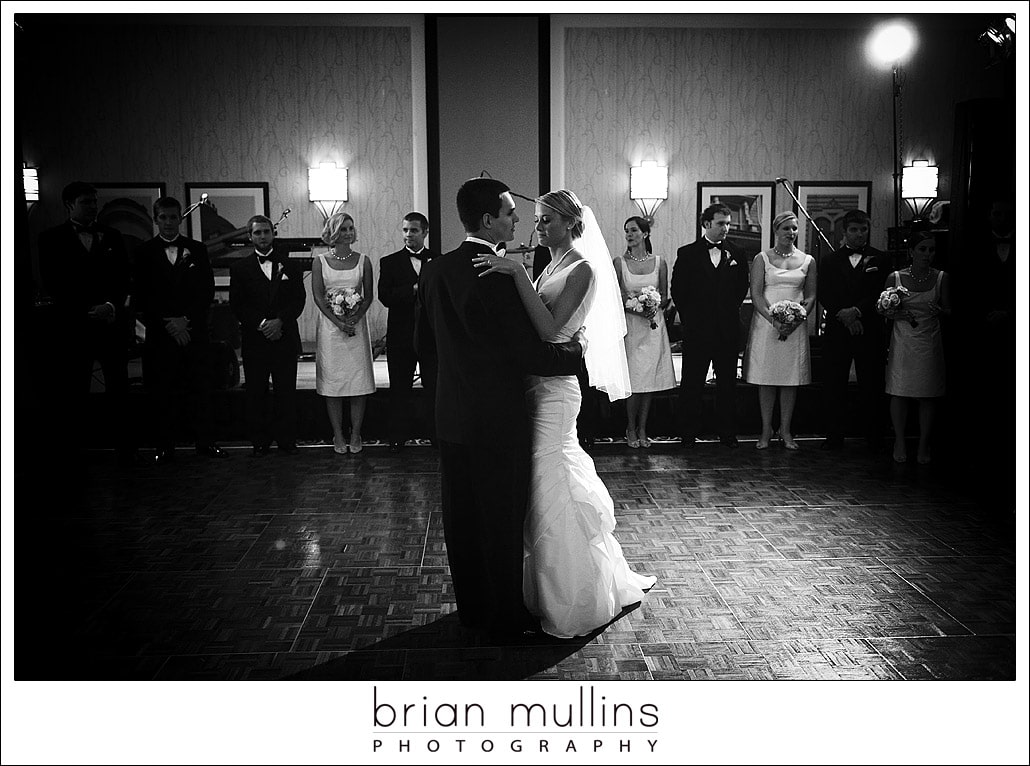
x=645 y=303
x=343 y=301
x=789 y=315
x=889 y=304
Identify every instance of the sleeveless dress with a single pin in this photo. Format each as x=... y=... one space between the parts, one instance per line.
x=915 y=361
x=771 y=361
x=648 y=352
x=575 y=578
x=343 y=363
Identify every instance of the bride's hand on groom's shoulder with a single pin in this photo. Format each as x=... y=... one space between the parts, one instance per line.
x=488 y=264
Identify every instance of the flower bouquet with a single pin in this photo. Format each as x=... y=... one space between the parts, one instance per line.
x=890 y=302
x=645 y=303
x=343 y=301
x=789 y=315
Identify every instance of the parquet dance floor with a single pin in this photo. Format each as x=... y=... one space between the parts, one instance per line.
x=770 y=565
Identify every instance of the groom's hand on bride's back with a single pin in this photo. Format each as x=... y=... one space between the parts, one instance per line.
x=580 y=338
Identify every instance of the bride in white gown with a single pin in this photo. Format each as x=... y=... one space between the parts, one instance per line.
x=575 y=578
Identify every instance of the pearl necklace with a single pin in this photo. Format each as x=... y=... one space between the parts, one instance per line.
x=334 y=254
x=549 y=269
x=918 y=280
x=632 y=257
x=784 y=255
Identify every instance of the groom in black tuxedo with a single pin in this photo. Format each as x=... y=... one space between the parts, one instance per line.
x=850 y=280
x=398 y=285
x=266 y=293
x=478 y=330
x=173 y=289
x=709 y=282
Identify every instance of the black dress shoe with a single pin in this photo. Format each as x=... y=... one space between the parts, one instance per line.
x=164 y=456
x=832 y=444
x=730 y=442
x=261 y=450
x=211 y=450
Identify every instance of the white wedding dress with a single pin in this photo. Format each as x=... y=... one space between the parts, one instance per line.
x=575 y=578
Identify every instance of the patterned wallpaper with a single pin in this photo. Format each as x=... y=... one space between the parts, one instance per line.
x=751 y=105
x=231 y=103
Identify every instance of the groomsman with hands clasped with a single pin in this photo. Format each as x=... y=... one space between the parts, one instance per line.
x=173 y=289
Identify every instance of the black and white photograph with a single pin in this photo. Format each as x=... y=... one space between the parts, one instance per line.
x=396 y=349
x=827 y=202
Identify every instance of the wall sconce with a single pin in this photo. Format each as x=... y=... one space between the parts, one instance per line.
x=648 y=187
x=1000 y=39
x=327 y=187
x=30 y=182
x=919 y=186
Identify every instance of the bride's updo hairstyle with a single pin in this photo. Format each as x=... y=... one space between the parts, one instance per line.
x=567 y=205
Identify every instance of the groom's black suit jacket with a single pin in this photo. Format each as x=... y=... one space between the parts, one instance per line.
x=484 y=343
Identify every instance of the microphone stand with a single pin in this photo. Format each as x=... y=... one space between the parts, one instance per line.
x=790 y=191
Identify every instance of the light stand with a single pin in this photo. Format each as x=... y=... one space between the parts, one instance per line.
x=897 y=171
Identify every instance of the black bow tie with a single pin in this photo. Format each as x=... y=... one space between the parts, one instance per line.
x=1002 y=240
x=420 y=255
x=167 y=243
x=262 y=257
x=715 y=246
x=850 y=251
x=88 y=229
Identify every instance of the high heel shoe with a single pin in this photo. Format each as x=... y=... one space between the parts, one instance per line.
x=900 y=457
x=631 y=439
x=645 y=441
x=763 y=443
x=924 y=459
x=355 y=443
x=788 y=442
x=339 y=446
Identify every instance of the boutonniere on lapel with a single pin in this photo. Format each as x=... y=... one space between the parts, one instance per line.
x=184 y=260
x=732 y=262
x=866 y=267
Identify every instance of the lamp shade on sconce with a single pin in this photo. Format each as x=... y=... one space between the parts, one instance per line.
x=648 y=186
x=30 y=181
x=327 y=183
x=919 y=180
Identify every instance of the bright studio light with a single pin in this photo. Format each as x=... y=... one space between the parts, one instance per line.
x=891 y=43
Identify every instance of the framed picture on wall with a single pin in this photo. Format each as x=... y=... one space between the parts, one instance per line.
x=827 y=202
x=750 y=204
x=220 y=220
x=129 y=208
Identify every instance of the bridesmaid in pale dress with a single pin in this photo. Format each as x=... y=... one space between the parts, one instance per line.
x=343 y=355
x=915 y=362
x=648 y=351
x=780 y=273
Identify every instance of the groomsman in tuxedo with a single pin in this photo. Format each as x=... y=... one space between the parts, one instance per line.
x=266 y=293
x=485 y=344
x=84 y=268
x=173 y=290
x=709 y=282
x=398 y=287
x=850 y=280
